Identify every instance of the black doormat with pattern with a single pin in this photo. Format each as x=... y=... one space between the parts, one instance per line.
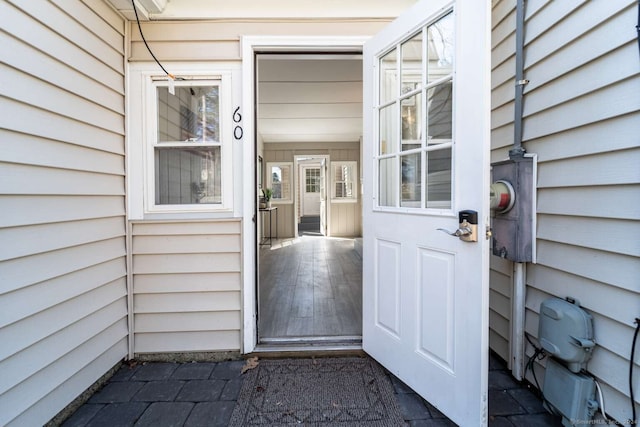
x=350 y=391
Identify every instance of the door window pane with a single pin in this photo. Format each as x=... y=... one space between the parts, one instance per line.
x=411 y=180
x=411 y=67
x=440 y=48
x=190 y=175
x=388 y=133
x=388 y=77
x=439 y=178
x=312 y=180
x=387 y=183
x=440 y=112
x=412 y=121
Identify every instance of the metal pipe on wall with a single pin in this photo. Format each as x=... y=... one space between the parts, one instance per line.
x=518 y=297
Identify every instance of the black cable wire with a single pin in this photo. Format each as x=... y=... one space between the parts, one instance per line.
x=537 y=354
x=147 y=45
x=633 y=352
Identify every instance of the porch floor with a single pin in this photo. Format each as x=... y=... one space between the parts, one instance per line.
x=205 y=394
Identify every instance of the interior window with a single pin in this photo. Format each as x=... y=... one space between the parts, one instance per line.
x=345 y=181
x=280 y=181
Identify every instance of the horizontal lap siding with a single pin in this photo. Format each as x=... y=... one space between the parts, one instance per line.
x=208 y=41
x=582 y=118
x=62 y=261
x=503 y=66
x=186 y=286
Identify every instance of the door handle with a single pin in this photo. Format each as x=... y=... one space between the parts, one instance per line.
x=464 y=230
x=468 y=230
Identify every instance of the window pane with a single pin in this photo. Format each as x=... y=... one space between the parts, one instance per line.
x=344 y=180
x=387 y=182
x=187 y=175
x=440 y=48
x=388 y=133
x=412 y=63
x=412 y=122
x=439 y=178
x=440 y=106
x=411 y=180
x=388 y=77
x=192 y=114
x=281 y=182
x=312 y=180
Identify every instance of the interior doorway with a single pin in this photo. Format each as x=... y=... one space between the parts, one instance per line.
x=309 y=123
x=311 y=207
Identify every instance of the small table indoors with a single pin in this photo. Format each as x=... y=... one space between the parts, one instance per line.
x=267 y=241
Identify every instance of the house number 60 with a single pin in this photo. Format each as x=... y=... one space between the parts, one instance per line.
x=237 y=118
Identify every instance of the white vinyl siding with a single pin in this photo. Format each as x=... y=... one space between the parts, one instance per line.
x=582 y=119
x=63 y=322
x=220 y=41
x=186 y=286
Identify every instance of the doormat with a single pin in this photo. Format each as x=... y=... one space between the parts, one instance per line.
x=350 y=391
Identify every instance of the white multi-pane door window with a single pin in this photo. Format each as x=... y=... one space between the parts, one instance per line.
x=312 y=180
x=415 y=104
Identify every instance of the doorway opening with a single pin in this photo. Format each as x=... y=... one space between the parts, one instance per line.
x=308 y=126
x=311 y=208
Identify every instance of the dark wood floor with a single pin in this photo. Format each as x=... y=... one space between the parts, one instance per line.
x=310 y=287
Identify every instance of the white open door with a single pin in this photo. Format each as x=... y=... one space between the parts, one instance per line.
x=426 y=158
x=323 y=197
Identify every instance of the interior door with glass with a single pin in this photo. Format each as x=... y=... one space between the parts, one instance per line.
x=426 y=169
x=323 y=197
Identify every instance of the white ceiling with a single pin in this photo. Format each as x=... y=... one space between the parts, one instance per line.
x=309 y=98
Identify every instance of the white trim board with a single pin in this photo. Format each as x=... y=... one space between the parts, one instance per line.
x=250 y=46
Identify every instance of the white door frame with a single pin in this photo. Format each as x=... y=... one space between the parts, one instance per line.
x=298 y=164
x=250 y=46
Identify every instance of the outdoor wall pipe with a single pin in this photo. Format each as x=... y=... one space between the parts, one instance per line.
x=518 y=297
x=517 y=150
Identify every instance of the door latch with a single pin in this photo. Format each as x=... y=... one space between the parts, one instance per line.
x=468 y=226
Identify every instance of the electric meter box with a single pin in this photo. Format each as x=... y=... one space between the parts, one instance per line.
x=566 y=332
x=513 y=230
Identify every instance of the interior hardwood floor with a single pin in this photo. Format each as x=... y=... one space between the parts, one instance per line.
x=310 y=287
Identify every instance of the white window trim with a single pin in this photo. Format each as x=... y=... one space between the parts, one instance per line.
x=354 y=167
x=142 y=130
x=292 y=182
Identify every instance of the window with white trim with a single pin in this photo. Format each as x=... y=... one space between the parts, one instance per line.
x=280 y=181
x=344 y=181
x=187 y=147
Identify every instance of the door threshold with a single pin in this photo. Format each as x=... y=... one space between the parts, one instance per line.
x=309 y=346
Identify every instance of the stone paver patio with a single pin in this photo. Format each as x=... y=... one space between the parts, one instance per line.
x=205 y=394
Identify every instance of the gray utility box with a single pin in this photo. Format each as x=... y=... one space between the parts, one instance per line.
x=513 y=234
x=569 y=394
x=566 y=332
